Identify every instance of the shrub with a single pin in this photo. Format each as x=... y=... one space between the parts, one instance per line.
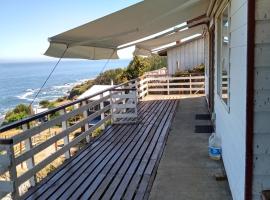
x=19 y=112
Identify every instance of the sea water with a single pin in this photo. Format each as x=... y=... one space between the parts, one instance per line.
x=20 y=81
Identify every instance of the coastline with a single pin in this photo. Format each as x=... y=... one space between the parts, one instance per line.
x=27 y=95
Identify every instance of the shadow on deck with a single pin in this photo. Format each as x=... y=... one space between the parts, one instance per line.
x=120 y=164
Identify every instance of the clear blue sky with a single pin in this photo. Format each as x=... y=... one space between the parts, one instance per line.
x=25 y=25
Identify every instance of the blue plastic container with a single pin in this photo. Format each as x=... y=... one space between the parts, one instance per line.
x=214 y=152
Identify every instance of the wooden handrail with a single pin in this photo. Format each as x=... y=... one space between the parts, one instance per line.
x=53 y=110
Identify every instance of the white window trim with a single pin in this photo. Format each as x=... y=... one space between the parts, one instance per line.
x=219 y=52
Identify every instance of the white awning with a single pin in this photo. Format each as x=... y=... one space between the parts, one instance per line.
x=145 y=48
x=100 y=39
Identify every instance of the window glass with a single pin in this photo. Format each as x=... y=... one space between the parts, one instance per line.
x=224 y=55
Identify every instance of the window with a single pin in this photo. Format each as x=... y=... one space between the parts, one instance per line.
x=224 y=55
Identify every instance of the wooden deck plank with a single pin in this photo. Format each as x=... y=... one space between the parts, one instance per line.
x=92 y=165
x=125 y=167
x=74 y=162
x=151 y=169
x=133 y=184
x=125 y=159
x=120 y=162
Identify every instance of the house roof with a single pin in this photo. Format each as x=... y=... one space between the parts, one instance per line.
x=93 y=90
x=101 y=38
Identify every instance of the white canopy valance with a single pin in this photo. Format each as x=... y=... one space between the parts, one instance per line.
x=101 y=38
x=145 y=48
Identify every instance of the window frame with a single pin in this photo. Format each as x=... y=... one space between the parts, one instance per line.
x=220 y=32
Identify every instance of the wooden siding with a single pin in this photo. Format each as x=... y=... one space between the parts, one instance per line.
x=188 y=55
x=231 y=121
x=261 y=177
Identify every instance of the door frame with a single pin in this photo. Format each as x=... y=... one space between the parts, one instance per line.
x=211 y=78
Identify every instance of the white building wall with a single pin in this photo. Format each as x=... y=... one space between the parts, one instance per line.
x=231 y=122
x=187 y=56
x=261 y=177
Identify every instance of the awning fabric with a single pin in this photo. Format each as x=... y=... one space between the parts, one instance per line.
x=145 y=48
x=100 y=38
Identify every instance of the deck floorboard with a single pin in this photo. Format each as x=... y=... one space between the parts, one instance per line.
x=120 y=164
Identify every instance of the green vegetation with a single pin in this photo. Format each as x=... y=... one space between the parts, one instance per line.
x=196 y=70
x=47 y=104
x=137 y=67
x=19 y=112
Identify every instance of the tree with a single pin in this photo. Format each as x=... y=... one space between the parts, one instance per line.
x=139 y=65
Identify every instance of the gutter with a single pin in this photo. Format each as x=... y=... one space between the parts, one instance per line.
x=250 y=99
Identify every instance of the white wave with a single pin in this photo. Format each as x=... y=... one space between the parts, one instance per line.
x=26 y=95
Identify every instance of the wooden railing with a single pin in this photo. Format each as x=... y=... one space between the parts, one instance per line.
x=171 y=85
x=71 y=127
x=119 y=105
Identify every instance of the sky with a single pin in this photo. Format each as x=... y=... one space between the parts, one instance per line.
x=26 y=25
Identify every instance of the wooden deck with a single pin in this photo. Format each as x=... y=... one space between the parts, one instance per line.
x=120 y=164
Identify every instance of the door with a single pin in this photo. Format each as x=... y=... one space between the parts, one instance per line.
x=211 y=67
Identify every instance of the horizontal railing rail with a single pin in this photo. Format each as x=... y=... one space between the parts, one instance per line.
x=175 y=85
x=45 y=113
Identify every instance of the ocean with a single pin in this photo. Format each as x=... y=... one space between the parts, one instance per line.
x=20 y=81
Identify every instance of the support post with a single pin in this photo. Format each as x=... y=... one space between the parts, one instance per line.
x=30 y=163
x=13 y=172
x=146 y=82
x=168 y=85
x=137 y=88
x=66 y=138
x=111 y=104
x=102 y=116
x=86 y=126
x=190 y=88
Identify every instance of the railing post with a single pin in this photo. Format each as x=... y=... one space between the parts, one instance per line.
x=30 y=163
x=13 y=172
x=124 y=100
x=190 y=88
x=7 y=165
x=137 y=88
x=66 y=138
x=102 y=116
x=86 y=126
x=168 y=85
x=112 y=106
x=147 y=91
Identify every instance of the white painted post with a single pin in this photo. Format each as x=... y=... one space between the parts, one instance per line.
x=168 y=85
x=86 y=126
x=66 y=138
x=147 y=91
x=136 y=102
x=13 y=172
x=112 y=104
x=124 y=101
x=101 y=107
x=137 y=88
x=30 y=163
x=190 y=89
